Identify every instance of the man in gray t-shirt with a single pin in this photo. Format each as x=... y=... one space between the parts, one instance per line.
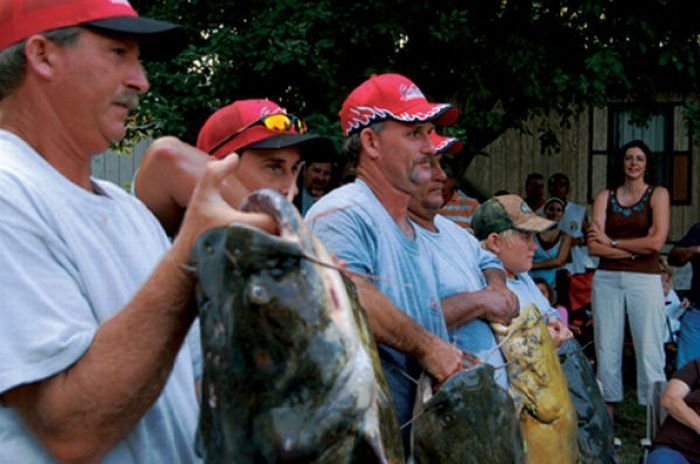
x=387 y=121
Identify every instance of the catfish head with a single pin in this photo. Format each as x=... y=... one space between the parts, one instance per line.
x=279 y=340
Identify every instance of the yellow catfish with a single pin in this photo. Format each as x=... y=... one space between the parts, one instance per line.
x=538 y=386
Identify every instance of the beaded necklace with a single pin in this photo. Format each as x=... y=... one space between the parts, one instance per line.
x=628 y=210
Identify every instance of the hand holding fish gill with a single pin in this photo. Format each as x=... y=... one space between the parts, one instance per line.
x=512 y=304
x=440 y=358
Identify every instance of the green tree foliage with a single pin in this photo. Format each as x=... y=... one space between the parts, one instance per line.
x=502 y=62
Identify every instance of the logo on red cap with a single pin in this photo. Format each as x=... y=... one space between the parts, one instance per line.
x=391 y=96
x=409 y=92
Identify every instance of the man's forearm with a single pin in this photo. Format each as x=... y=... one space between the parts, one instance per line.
x=82 y=412
x=389 y=325
x=495 y=278
x=461 y=308
x=679 y=256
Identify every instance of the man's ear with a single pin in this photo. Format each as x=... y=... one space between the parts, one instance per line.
x=41 y=55
x=493 y=243
x=369 y=141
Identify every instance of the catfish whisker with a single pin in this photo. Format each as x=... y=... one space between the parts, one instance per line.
x=188 y=268
x=311 y=220
x=503 y=365
x=229 y=256
x=586 y=345
x=359 y=274
x=405 y=374
x=413 y=419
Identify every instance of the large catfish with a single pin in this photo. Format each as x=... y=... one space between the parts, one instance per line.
x=469 y=420
x=291 y=372
x=538 y=385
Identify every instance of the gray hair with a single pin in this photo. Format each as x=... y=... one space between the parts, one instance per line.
x=13 y=61
x=352 y=146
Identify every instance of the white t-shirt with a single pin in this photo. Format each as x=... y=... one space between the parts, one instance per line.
x=459 y=261
x=69 y=260
x=572 y=223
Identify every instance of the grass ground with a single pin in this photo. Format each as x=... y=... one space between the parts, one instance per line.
x=630 y=417
x=630 y=427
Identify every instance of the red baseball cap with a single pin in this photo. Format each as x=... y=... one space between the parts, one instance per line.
x=220 y=135
x=391 y=96
x=451 y=145
x=20 y=19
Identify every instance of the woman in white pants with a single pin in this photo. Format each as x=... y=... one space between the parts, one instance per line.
x=630 y=225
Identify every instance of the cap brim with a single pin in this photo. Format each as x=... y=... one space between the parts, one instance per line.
x=312 y=146
x=453 y=147
x=535 y=224
x=158 y=40
x=442 y=114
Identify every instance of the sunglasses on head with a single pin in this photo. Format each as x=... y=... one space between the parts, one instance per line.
x=279 y=122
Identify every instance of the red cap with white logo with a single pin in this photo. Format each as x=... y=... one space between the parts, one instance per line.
x=395 y=97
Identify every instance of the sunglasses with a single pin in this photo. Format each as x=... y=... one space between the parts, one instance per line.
x=279 y=122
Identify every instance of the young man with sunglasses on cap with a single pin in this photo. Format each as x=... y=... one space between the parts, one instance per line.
x=269 y=142
x=95 y=303
x=387 y=122
x=471 y=280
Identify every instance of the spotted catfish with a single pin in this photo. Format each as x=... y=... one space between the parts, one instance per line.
x=539 y=387
x=290 y=369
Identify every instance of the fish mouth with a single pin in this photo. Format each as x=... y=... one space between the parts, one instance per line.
x=290 y=224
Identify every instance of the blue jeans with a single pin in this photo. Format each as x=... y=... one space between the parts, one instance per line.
x=663 y=455
x=689 y=337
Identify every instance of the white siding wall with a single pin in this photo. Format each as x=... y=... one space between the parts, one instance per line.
x=119 y=167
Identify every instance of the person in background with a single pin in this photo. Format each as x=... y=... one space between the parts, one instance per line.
x=505 y=225
x=630 y=225
x=96 y=302
x=687 y=250
x=551 y=296
x=387 y=123
x=269 y=141
x=316 y=181
x=674 y=308
x=471 y=280
x=553 y=245
x=458 y=206
x=534 y=190
x=574 y=222
x=677 y=440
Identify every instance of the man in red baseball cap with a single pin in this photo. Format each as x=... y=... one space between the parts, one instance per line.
x=269 y=142
x=95 y=302
x=387 y=122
